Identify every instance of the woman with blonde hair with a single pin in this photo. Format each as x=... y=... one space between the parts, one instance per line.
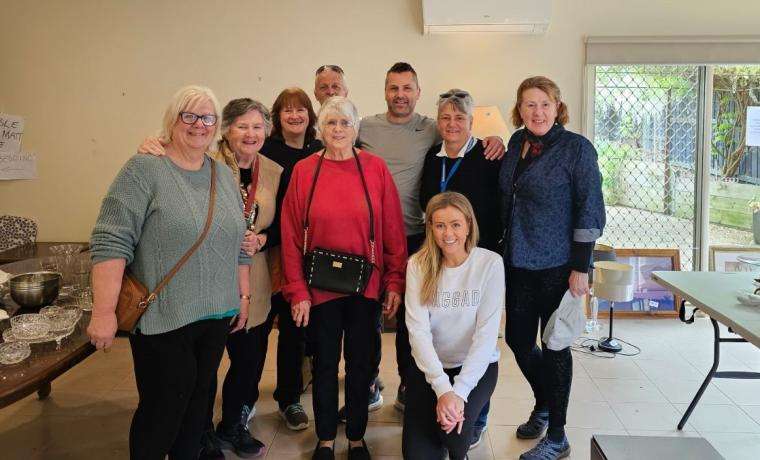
x=153 y=212
x=454 y=301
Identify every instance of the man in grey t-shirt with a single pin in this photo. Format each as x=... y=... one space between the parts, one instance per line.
x=402 y=138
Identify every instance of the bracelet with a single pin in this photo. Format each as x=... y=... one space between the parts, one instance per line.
x=245 y=297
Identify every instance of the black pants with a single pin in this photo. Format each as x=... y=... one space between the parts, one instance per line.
x=422 y=437
x=173 y=371
x=404 y=361
x=532 y=296
x=247 y=352
x=356 y=318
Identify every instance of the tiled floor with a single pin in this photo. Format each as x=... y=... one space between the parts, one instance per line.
x=88 y=413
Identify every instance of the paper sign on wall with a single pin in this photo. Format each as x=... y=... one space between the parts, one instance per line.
x=11 y=130
x=14 y=163
x=753 y=126
x=19 y=165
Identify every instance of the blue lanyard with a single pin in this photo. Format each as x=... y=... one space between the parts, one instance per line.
x=445 y=178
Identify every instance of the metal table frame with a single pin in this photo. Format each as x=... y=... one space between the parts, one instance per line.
x=713 y=373
x=715 y=294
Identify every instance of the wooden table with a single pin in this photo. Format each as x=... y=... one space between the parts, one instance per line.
x=46 y=363
x=715 y=294
x=31 y=251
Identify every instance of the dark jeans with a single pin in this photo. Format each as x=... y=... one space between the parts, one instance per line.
x=248 y=351
x=532 y=296
x=173 y=371
x=422 y=437
x=354 y=317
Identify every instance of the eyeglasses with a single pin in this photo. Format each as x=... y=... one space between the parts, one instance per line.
x=332 y=67
x=332 y=124
x=189 y=118
x=459 y=94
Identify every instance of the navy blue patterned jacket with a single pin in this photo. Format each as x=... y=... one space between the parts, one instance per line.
x=555 y=201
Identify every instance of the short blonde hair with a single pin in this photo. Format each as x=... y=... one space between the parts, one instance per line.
x=185 y=97
x=338 y=106
x=547 y=86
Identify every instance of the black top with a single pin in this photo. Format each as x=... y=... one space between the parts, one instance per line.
x=286 y=156
x=477 y=178
x=245 y=177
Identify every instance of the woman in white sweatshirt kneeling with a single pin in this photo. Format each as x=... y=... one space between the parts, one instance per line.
x=454 y=300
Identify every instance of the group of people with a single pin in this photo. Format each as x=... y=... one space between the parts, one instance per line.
x=325 y=222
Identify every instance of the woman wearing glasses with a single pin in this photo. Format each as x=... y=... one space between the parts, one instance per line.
x=454 y=303
x=458 y=164
x=152 y=214
x=341 y=206
x=554 y=211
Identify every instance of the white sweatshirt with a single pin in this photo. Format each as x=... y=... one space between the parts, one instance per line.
x=461 y=327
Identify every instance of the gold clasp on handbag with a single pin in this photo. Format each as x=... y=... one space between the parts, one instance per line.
x=149 y=300
x=337 y=264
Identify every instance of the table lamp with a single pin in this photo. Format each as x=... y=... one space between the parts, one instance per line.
x=487 y=121
x=613 y=281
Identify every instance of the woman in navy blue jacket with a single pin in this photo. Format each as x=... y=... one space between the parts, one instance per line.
x=553 y=212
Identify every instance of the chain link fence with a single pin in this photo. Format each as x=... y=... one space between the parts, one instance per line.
x=645 y=132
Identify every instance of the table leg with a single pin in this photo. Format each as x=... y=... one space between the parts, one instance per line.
x=44 y=391
x=713 y=369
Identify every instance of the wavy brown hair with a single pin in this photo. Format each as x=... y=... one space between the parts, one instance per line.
x=550 y=88
x=429 y=258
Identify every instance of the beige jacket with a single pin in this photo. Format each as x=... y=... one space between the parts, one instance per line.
x=263 y=263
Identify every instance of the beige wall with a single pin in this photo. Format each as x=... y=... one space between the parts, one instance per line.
x=92 y=77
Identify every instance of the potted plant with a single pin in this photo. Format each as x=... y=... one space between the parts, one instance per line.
x=754 y=206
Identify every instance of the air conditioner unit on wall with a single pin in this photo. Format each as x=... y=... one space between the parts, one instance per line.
x=505 y=16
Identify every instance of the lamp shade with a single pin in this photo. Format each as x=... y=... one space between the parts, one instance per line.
x=613 y=281
x=487 y=121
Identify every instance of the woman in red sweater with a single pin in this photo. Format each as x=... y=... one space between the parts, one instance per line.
x=352 y=189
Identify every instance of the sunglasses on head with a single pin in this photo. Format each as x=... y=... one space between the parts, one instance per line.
x=459 y=94
x=332 y=67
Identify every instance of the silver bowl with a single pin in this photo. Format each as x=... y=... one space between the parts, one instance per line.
x=35 y=289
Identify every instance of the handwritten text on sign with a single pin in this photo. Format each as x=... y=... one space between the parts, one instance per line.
x=11 y=130
x=18 y=165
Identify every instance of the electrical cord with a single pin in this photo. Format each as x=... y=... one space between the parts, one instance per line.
x=590 y=346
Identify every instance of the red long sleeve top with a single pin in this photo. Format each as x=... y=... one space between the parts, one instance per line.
x=339 y=220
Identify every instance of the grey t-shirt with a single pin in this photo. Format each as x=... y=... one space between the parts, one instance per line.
x=403 y=147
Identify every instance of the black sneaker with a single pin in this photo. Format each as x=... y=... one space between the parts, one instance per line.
x=477 y=435
x=210 y=448
x=535 y=426
x=400 y=402
x=547 y=449
x=323 y=453
x=295 y=417
x=359 y=452
x=239 y=440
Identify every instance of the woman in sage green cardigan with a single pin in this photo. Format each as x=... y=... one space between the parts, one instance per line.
x=153 y=212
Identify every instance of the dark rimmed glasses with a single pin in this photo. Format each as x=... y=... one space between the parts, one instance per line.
x=332 y=67
x=190 y=118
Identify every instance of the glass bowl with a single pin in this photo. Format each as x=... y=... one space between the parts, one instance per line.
x=68 y=249
x=61 y=317
x=30 y=326
x=14 y=352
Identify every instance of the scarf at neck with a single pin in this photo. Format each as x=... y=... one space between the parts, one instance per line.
x=537 y=144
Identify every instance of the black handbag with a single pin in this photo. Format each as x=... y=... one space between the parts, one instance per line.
x=333 y=270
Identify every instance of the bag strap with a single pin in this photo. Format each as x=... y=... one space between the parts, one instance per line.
x=209 y=217
x=366 y=196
